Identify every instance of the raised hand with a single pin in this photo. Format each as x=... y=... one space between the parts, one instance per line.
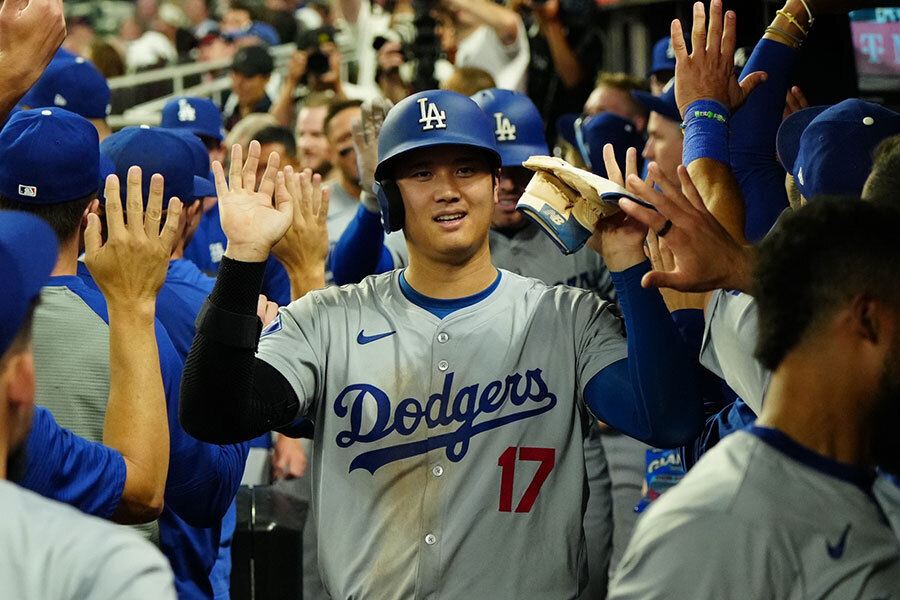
x=708 y=72
x=705 y=256
x=131 y=266
x=619 y=239
x=662 y=259
x=288 y=458
x=304 y=247
x=30 y=33
x=794 y=102
x=250 y=221
x=365 y=139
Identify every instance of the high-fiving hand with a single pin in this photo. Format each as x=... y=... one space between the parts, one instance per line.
x=708 y=71
x=365 y=139
x=131 y=266
x=304 y=246
x=250 y=221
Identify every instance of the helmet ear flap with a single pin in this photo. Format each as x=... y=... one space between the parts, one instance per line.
x=393 y=214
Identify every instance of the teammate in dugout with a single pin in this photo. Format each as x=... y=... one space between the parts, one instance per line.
x=450 y=398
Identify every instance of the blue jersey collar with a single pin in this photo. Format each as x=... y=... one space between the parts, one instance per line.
x=440 y=307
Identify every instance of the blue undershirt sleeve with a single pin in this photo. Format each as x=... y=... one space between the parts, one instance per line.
x=360 y=250
x=70 y=469
x=651 y=395
x=754 y=128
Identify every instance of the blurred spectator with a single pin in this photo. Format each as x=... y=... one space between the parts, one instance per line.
x=245 y=131
x=106 y=58
x=79 y=35
x=236 y=18
x=468 y=81
x=213 y=46
x=566 y=53
x=197 y=12
x=309 y=132
x=612 y=93
x=250 y=73
x=156 y=47
x=279 y=140
x=489 y=36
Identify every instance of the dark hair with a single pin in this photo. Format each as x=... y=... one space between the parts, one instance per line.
x=336 y=107
x=275 y=134
x=63 y=218
x=815 y=261
x=883 y=183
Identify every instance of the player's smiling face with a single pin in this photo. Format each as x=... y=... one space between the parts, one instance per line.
x=449 y=194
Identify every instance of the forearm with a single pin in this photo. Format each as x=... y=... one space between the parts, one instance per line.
x=665 y=408
x=357 y=252
x=227 y=394
x=136 y=423
x=499 y=18
x=721 y=194
x=567 y=64
x=283 y=107
x=305 y=279
x=754 y=129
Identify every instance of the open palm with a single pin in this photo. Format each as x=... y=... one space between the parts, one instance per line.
x=250 y=220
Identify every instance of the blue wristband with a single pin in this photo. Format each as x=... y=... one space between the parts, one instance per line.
x=706 y=132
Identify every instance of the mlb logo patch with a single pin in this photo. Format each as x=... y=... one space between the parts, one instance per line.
x=28 y=190
x=272 y=327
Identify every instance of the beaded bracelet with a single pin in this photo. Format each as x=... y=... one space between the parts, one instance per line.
x=808 y=12
x=793 y=20
x=797 y=41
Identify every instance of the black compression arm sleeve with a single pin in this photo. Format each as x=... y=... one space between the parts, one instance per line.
x=227 y=394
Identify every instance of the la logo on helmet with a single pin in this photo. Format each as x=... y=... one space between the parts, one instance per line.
x=506 y=131
x=432 y=116
x=186 y=112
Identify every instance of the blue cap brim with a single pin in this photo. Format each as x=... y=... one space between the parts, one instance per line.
x=787 y=142
x=203 y=187
x=657 y=105
x=28 y=253
x=565 y=128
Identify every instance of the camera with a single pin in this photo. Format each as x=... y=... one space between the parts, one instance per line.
x=317 y=62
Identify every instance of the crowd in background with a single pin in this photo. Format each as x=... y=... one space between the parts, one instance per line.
x=771 y=240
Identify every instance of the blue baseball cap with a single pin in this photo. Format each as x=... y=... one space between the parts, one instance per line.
x=594 y=132
x=828 y=149
x=72 y=83
x=204 y=184
x=663 y=56
x=664 y=104
x=200 y=116
x=155 y=150
x=28 y=252
x=518 y=126
x=262 y=31
x=433 y=118
x=48 y=156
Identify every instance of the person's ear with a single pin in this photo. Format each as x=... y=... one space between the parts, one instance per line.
x=496 y=178
x=869 y=319
x=18 y=380
x=194 y=212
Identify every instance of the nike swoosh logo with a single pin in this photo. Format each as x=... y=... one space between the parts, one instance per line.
x=837 y=550
x=365 y=339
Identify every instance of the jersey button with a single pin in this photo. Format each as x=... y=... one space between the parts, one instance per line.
x=430 y=539
x=443 y=365
x=443 y=337
x=438 y=470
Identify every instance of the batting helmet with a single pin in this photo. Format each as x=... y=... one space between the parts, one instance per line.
x=429 y=118
x=518 y=126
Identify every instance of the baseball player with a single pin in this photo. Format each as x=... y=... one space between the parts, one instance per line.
x=451 y=398
x=52 y=551
x=788 y=501
x=518 y=245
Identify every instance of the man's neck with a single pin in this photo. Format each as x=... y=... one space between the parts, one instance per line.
x=67 y=260
x=351 y=187
x=819 y=408
x=437 y=279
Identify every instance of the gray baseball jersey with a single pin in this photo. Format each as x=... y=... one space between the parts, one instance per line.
x=53 y=552
x=447 y=450
x=762 y=517
x=887 y=493
x=729 y=343
x=530 y=252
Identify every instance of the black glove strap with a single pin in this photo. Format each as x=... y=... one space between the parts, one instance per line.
x=228 y=328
